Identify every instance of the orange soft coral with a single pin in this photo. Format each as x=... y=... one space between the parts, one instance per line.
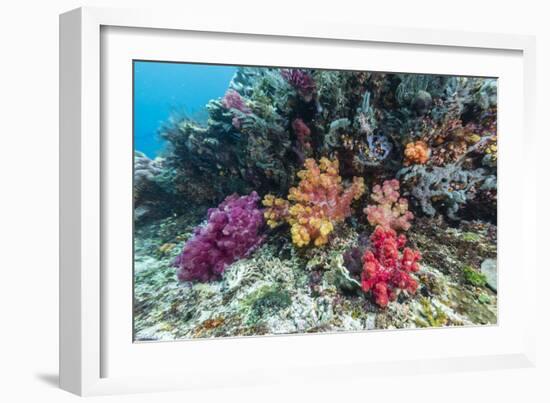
x=416 y=152
x=318 y=203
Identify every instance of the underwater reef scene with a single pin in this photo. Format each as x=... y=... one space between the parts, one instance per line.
x=312 y=200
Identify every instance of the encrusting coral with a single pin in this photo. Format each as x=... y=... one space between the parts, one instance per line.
x=391 y=210
x=233 y=231
x=316 y=204
x=387 y=266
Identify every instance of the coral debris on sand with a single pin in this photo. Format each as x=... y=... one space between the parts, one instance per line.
x=316 y=176
x=280 y=289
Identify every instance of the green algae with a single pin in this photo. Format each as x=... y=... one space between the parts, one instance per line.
x=484 y=298
x=474 y=277
x=431 y=316
x=471 y=237
x=265 y=301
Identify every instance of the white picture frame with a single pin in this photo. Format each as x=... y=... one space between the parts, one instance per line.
x=86 y=346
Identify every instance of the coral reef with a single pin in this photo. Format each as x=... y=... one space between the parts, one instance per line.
x=315 y=255
x=232 y=231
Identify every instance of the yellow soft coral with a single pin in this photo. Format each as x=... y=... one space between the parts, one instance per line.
x=276 y=211
x=319 y=201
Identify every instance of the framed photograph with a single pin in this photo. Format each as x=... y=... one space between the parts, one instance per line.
x=257 y=194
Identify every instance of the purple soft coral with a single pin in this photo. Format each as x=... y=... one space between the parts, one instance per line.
x=302 y=82
x=233 y=100
x=231 y=233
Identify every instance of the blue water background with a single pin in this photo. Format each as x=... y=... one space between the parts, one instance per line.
x=162 y=90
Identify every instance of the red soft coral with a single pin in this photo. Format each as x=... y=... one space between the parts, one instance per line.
x=386 y=271
x=302 y=134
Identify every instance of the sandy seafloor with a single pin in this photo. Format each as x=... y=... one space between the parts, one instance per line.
x=280 y=289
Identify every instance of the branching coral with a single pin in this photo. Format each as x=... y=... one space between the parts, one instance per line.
x=387 y=266
x=233 y=231
x=391 y=210
x=146 y=171
x=449 y=186
x=152 y=199
x=416 y=152
x=318 y=202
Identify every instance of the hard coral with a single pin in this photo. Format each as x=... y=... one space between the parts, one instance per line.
x=450 y=186
x=390 y=210
x=319 y=202
x=301 y=81
x=233 y=231
x=386 y=269
x=416 y=152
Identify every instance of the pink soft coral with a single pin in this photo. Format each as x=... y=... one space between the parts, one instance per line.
x=391 y=210
x=233 y=100
x=386 y=271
